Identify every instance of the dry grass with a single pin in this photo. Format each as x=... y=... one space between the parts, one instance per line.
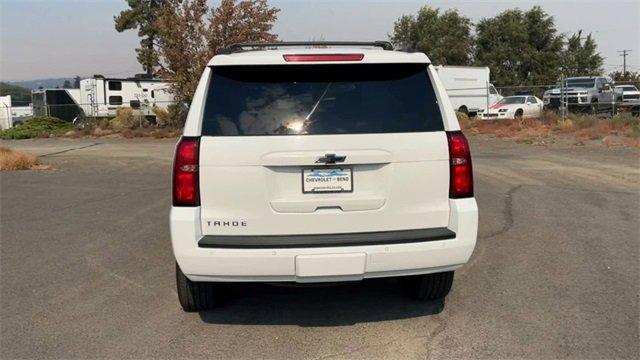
x=17 y=160
x=619 y=130
x=632 y=142
x=157 y=133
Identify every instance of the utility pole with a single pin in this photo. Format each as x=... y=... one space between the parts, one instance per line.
x=624 y=54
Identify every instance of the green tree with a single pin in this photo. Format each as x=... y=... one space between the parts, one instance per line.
x=630 y=76
x=445 y=37
x=19 y=96
x=581 y=58
x=142 y=15
x=66 y=84
x=190 y=34
x=520 y=48
x=76 y=82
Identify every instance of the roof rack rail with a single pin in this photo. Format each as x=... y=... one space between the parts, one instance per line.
x=385 y=45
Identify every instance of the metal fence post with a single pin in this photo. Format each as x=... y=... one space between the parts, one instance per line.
x=488 y=100
x=562 y=97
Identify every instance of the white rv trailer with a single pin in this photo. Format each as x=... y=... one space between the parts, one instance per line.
x=468 y=88
x=59 y=103
x=100 y=97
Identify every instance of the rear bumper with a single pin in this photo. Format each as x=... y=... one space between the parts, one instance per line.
x=325 y=240
x=393 y=256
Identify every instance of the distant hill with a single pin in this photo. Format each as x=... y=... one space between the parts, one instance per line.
x=45 y=83
x=19 y=95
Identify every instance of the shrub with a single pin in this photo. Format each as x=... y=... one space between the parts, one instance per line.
x=40 y=126
x=621 y=121
x=584 y=121
x=567 y=124
x=16 y=160
x=125 y=119
x=162 y=115
x=103 y=124
x=173 y=116
x=550 y=117
x=635 y=132
x=464 y=120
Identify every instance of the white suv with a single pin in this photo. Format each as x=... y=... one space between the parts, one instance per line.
x=320 y=162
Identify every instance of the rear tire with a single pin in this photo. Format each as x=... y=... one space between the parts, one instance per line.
x=430 y=286
x=194 y=296
x=518 y=115
x=463 y=109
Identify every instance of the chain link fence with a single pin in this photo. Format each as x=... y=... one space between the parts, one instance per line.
x=83 y=115
x=89 y=113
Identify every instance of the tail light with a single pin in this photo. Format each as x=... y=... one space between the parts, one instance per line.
x=185 y=173
x=323 y=57
x=461 y=174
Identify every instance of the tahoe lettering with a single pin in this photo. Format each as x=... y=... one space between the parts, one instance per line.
x=227 y=223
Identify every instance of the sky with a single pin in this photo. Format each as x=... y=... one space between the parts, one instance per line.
x=62 y=38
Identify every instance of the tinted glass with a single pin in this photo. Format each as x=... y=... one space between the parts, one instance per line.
x=531 y=99
x=320 y=99
x=513 y=100
x=115 y=85
x=586 y=83
x=115 y=100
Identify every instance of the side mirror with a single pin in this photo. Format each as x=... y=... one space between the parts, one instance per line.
x=606 y=87
x=528 y=102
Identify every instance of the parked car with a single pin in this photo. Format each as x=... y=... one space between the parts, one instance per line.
x=515 y=107
x=586 y=93
x=310 y=162
x=630 y=93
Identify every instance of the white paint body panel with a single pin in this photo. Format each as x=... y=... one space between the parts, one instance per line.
x=400 y=181
x=467 y=86
x=94 y=96
x=205 y=264
x=532 y=109
x=275 y=57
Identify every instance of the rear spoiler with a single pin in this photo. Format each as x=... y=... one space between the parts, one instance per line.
x=234 y=48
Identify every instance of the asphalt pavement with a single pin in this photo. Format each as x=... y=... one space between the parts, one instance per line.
x=86 y=268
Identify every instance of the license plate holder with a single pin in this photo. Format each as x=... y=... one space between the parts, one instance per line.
x=327 y=180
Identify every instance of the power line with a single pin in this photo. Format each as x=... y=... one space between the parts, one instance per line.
x=624 y=54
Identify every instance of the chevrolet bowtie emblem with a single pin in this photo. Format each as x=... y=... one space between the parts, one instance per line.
x=330 y=159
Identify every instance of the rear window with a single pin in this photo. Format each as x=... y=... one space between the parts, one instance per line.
x=320 y=100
